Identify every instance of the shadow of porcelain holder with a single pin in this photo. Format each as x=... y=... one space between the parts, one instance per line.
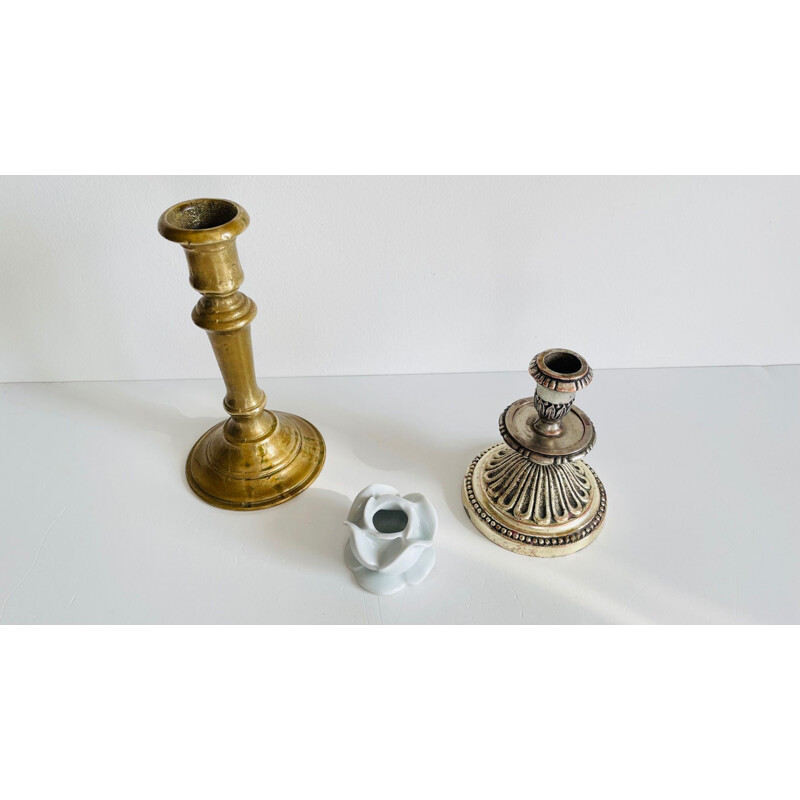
x=533 y=494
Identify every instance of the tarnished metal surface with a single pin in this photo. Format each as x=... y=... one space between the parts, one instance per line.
x=256 y=458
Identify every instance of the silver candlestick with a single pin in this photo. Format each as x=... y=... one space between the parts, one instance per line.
x=533 y=494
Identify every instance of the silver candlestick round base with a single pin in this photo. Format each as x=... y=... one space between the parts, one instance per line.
x=535 y=514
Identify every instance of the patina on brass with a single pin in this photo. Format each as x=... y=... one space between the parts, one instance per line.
x=533 y=494
x=257 y=458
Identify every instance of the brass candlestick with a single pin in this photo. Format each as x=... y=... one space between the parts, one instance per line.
x=533 y=494
x=257 y=458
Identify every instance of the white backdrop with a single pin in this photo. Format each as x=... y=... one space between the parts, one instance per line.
x=395 y=275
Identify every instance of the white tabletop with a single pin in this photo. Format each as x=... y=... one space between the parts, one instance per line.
x=701 y=467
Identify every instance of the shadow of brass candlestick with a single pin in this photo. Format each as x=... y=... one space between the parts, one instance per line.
x=533 y=494
x=257 y=458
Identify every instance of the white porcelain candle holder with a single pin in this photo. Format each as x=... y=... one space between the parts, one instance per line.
x=391 y=538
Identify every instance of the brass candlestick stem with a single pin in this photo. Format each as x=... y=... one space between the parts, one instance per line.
x=257 y=458
x=533 y=493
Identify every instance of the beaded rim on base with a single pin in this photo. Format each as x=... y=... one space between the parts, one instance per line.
x=521 y=541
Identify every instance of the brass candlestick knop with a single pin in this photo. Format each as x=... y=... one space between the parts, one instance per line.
x=256 y=458
x=533 y=494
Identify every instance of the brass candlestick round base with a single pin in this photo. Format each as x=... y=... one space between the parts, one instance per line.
x=533 y=494
x=243 y=476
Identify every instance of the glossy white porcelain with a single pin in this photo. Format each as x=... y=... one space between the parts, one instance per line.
x=391 y=538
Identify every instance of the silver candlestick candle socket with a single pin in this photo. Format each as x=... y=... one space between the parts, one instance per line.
x=533 y=494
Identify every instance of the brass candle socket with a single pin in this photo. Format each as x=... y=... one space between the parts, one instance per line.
x=256 y=458
x=533 y=494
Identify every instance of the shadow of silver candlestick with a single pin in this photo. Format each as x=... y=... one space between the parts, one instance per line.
x=533 y=494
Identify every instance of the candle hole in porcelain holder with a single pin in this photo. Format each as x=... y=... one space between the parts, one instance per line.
x=390 y=520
